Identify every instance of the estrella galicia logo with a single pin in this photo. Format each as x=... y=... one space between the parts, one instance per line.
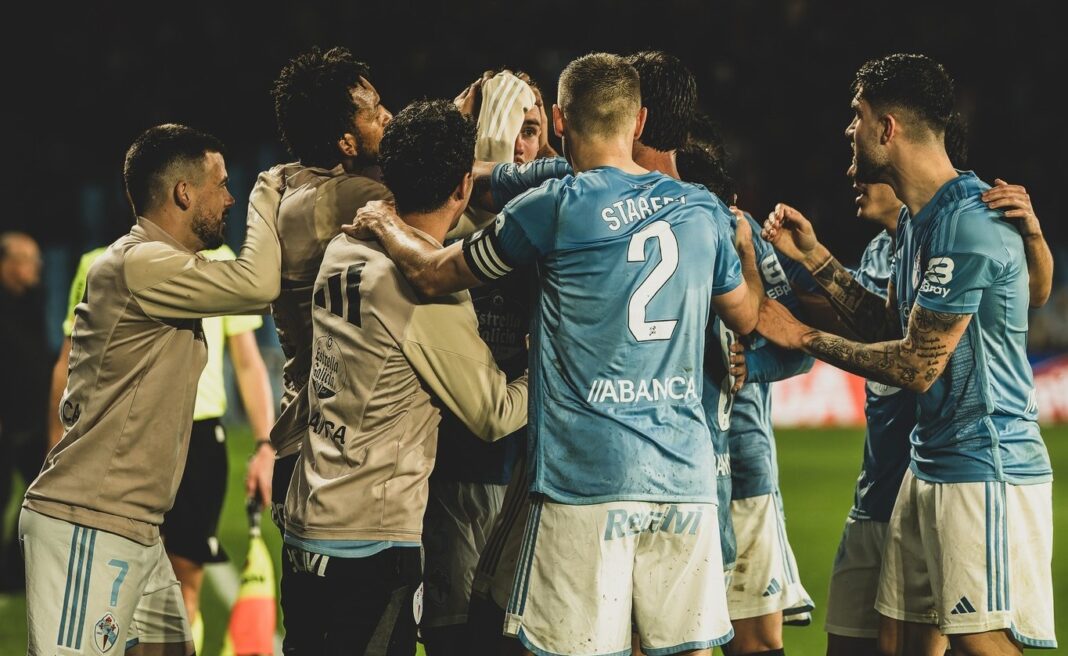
x=939 y=270
x=328 y=367
x=106 y=633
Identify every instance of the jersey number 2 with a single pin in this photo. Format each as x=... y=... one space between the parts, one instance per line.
x=646 y=331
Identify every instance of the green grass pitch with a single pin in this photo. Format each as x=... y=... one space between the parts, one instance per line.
x=818 y=469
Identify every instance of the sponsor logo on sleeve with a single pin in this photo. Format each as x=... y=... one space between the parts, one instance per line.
x=776 y=285
x=939 y=274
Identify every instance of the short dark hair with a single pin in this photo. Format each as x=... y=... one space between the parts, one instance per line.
x=426 y=150
x=669 y=91
x=159 y=150
x=913 y=83
x=313 y=103
x=599 y=94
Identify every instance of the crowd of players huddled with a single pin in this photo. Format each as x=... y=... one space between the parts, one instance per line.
x=528 y=395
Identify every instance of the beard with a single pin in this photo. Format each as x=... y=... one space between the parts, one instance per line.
x=365 y=156
x=868 y=169
x=208 y=231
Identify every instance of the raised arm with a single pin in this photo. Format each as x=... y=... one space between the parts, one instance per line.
x=496 y=184
x=1015 y=202
x=520 y=234
x=865 y=313
x=914 y=362
x=738 y=307
x=170 y=283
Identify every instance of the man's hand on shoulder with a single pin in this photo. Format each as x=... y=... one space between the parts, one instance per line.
x=1015 y=203
x=371 y=219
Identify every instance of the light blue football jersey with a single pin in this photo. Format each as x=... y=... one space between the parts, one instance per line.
x=627 y=267
x=751 y=439
x=718 y=400
x=508 y=179
x=889 y=412
x=978 y=422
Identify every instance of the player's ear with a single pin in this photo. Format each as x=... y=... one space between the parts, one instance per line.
x=462 y=193
x=559 y=122
x=182 y=194
x=890 y=128
x=347 y=145
x=639 y=125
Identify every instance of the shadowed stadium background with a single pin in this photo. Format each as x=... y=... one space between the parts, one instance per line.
x=82 y=81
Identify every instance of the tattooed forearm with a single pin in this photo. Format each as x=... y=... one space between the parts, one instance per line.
x=914 y=362
x=863 y=312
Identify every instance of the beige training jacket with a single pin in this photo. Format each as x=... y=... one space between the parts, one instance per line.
x=137 y=351
x=316 y=203
x=380 y=353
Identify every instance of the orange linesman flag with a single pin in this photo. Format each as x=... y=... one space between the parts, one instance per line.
x=252 y=619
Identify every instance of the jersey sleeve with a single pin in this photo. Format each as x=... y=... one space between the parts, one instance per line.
x=800 y=279
x=521 y=234
x=169 y=283
x=509 y=180
x=770 y=363
x=234 y=324
x=876 y=265
x=727 y=271
x=961 y=264
x=443 y=346
x=776 y=283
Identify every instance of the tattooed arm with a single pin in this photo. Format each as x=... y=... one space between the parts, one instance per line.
x=865 y=313
x=914 y=362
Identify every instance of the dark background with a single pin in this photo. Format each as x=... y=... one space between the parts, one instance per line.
x=83 y=81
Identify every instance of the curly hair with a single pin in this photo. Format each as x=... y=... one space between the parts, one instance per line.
x=914 y=83
x=669 y=90
x=158 y=152
x=426 y=150
x=699 y=163
x=313 y=103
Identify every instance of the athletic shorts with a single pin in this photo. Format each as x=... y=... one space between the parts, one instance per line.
x=495 y=572
x=86 y=586
x=588 y=575
x=765 y=578
x=333 y=606
x=189 y=528
x=971 y=558
x=456 y=526
x=855 y=580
